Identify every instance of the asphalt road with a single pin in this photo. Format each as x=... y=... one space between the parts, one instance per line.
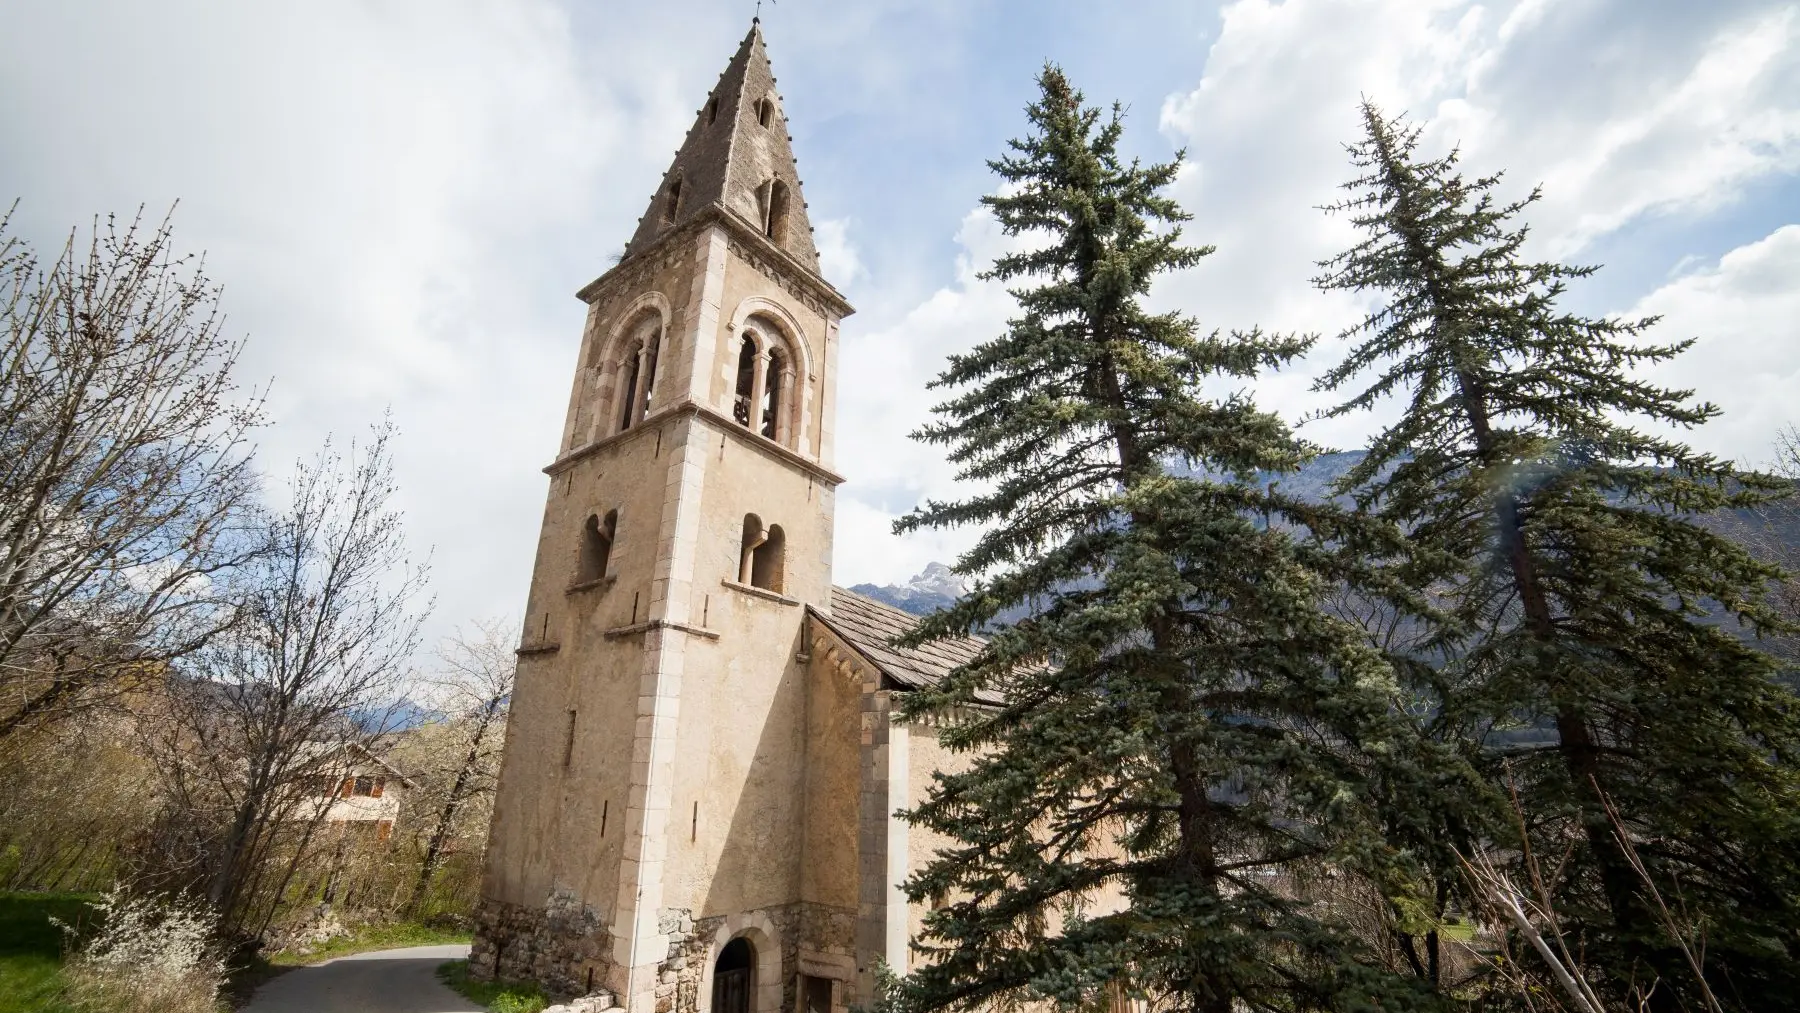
x=386 y=981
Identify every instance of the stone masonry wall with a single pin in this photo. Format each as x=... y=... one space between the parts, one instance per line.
x=563 y=946
x=816 y=928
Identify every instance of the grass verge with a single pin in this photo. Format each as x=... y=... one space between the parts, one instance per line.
x=31 y=949
x=363 y=938
x=497 y=996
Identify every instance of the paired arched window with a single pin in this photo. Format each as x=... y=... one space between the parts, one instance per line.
x=762 y=559
x=637 y=372
x=596 y=547
x=764 y=385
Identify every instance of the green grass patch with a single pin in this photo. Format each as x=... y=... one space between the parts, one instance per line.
x=497 y=996
x=1462 y=932
x=31 y=949
x=363 y=938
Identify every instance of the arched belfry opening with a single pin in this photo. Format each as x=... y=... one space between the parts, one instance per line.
x=761 y=559
x=596 y=547
x=732 y=975
x=637 y=372
x=763 y=391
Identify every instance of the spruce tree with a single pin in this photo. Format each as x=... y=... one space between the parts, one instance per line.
x=1586 y=599
x=1179 y=723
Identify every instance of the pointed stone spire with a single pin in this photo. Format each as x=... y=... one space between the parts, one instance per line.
x=737 y=155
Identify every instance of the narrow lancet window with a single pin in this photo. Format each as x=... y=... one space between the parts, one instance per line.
x=761 y=564
x=766 y=561
x=778 y=211
x=651 y=351
x=746 y=382
x=672 y=201
x=596 y=547
x=628 y=390
x=771 y=406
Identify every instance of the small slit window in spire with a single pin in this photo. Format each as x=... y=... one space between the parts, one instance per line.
x=672 y=202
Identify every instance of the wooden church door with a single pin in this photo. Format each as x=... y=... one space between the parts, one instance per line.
x=731 y=978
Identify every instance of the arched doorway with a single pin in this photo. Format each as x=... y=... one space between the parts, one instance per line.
x=731 y=977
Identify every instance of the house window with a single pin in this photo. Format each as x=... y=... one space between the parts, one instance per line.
x=761 y=562
x=596 y=547
x=365 y=786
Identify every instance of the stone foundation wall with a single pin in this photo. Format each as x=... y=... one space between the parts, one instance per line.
x=678 y=976
x=566 y=948
x=814 y=928
x=563 y=946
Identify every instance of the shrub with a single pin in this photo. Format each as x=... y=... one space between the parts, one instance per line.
x=148 y=956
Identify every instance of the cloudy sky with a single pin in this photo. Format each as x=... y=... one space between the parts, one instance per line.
x=401 y=198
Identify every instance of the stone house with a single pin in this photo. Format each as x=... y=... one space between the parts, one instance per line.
x=695 y=806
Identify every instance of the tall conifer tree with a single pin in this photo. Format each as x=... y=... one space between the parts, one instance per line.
x=1179 y=723
x=1583 y=601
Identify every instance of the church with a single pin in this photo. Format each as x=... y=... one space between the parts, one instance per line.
x=695 y=806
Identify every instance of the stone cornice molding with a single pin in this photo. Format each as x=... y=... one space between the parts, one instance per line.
x=747 y=242
x=658 y=624
x=718 y=421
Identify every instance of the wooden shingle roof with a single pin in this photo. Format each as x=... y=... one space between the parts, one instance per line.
x=869 y=626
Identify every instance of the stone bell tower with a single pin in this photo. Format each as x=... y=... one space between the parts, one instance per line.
x=651 y=812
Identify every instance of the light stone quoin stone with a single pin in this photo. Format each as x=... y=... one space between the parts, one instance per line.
x=702 y=747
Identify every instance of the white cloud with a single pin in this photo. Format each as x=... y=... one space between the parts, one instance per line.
x=882 y=399
x=398 y=201
x=1266 y=124
x=839 y=260
x=1745 y=315
x=1690 y=147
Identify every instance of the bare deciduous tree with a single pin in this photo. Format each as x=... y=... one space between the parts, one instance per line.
x=268 y=712
x=124 y=467
x=477 y=678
